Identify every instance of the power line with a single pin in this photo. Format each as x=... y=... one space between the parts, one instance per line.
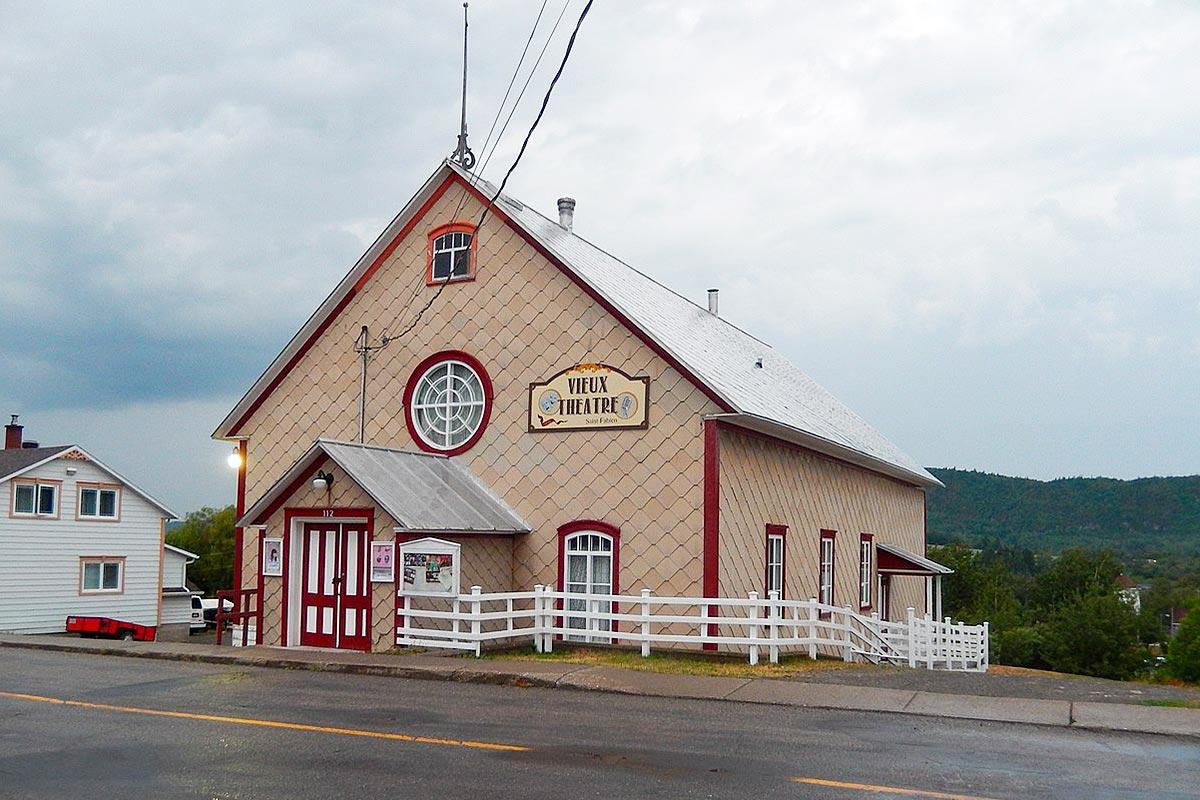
x=524 y=145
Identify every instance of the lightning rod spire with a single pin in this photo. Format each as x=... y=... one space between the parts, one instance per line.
x=462 y=154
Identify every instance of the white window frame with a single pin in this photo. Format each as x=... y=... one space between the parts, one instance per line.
x=102 y=562
x=825 y=571
x=571 y=547
x=99 y=489
x=776 y=549
x=38 y=487
x=416 y=407
x=866 y=546
x=448 y=243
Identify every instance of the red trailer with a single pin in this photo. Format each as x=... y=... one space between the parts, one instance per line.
x=109 y=628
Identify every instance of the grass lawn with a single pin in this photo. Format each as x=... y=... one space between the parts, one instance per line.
x=1173 y=703
x=730 y=666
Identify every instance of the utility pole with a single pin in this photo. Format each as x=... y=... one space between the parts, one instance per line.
x=365 y=349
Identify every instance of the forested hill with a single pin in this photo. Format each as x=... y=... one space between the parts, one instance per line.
x=1143 y=518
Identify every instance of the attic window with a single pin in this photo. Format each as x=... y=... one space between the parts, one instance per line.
x=451 y=253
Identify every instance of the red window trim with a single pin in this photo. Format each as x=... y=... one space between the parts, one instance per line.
x=781 y=531
x=451 y=227
x=870 y=538
x=599 y=526
x=411 y=386
x=831 y=535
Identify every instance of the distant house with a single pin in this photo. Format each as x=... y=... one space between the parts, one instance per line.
x=180 y=612
x=75 y=538
x=1130 y=592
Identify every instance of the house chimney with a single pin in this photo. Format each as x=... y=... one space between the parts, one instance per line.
x=566 y=212
x=712 y=301
x=12 y=434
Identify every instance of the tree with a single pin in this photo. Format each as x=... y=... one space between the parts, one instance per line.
x=1094 y=634
x=209 y=534
x=1183 y=658
x=1075 y=574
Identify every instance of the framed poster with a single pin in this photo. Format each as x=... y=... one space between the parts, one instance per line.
x=383 y=562
x=430 y=567
x=272 y=558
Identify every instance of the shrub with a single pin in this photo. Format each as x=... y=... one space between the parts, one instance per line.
x=1095 y=634
x=1018 y=647
x=1183 y=659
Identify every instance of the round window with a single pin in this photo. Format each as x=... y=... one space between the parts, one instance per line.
x=447 y=408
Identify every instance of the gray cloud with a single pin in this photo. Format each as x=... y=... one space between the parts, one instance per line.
x=975 y=224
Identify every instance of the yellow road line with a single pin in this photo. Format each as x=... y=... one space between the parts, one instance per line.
x=870 y=787
x=270 y=723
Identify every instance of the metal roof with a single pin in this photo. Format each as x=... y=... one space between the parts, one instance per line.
x=14 y=463
x=920 y=563
x=422 y=492
x=722 y=356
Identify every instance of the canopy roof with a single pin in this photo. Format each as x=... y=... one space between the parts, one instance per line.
x=422 y=492
x=898 y=561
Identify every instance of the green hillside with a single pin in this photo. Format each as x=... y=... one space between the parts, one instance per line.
x=1143 y=518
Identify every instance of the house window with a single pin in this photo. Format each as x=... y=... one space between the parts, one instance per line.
x=102 y=575
x=99 y=502
x=775 y=549
x=865 y=555
x=35 y=499
x=451 y=253
x=447 y=404
x=825 y=584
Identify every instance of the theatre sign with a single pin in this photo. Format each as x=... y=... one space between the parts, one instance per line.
x=589 y=397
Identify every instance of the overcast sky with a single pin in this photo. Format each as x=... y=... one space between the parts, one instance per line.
x=976 y=224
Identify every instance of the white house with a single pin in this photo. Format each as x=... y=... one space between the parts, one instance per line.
x=75 y=538
x=181 y=610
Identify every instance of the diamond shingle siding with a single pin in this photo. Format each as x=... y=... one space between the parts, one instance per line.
x=765 y=482
x=523 y=320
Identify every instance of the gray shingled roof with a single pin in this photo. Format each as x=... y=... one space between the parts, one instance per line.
x=722 y=355
x=777 y=398
x=15 y=460
x=422 y=492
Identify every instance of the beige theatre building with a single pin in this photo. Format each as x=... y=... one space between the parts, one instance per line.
x=553 y=417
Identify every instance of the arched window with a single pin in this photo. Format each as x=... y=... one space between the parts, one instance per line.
x=451 y=253
x=588 y=550
x=447 y=402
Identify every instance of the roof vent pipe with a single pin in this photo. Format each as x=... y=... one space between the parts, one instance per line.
x=566 y=212
x=12 y=434
x=712 y=301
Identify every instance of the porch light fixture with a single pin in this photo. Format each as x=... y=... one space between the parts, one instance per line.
x=322 y=481
x=234 y=459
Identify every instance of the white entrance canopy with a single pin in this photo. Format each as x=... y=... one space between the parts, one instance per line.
x=895 y=560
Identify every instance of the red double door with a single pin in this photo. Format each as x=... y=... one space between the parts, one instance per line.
x=336 y=589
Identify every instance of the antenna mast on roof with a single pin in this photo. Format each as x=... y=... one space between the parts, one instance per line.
x=462 y=154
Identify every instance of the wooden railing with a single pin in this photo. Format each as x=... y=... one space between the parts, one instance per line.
x=243 y=610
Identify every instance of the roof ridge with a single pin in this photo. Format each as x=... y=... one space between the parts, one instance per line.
x=618 y=259
x=365 y=446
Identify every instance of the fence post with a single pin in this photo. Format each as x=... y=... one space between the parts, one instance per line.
x=773 y=625
x=812 y=627
x=912 y=637
x=645 y=623
x=753 y=628
x=550 y=619
x=847 y=649
x=948 y=643
x=987 y=650
x=537 y=617
x=932 y=649
x=703 y=622
x=475 y=627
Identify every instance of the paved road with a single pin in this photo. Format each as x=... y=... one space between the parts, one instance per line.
x=332 y=736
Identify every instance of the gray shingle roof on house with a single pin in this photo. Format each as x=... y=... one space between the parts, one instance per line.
x=16 y=460
x=422 y=492
x=778 y=398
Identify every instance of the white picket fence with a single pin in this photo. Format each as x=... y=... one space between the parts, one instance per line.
x=751 y=624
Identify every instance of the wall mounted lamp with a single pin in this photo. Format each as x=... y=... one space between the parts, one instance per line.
x=322 y=481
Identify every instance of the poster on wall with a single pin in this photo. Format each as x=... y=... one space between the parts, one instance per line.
x=383 y=562
x=430 y=566
x=589 y=397
x=272 y=558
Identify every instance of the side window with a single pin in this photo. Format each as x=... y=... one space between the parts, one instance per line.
x=825 y=583
x=776 y=548
x=34 y=499
x=866 y=552
x=102 y=575
x=99 y=502
x=451 y=254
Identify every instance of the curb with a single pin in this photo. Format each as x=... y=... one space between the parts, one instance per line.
x=1090 y=716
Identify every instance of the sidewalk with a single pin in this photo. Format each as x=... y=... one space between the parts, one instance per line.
x=1061 y=713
